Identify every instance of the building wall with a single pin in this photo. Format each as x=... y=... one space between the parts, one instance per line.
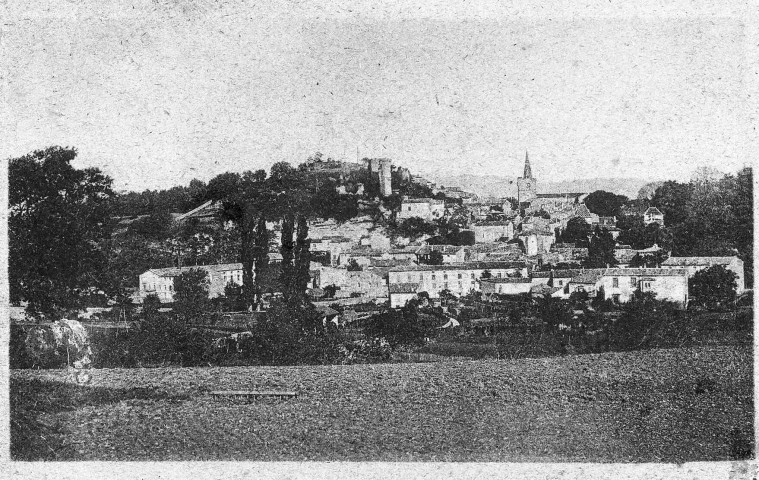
x=409 y=210
x=459 y=282
x=491 y=233
x=366 y=283
x=163 y=286
x=398 y=300
x=385 y=177
x=526 y=189
x=666 y=287
x=489 y=288
x=151 y=283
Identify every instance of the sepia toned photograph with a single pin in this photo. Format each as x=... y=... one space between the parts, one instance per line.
x=411 y=233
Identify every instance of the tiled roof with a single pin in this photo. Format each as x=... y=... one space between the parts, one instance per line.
x=332 y=239
x=174 y=271
x=650 y=272
x=403 y=287
x=431 y=201
x=697 y=261
x=496 y=223
x=568 y=273
x=559 y=195
x=327 y=311
x=460 y=266
x=444 y=249
x=588 y=276
x=582 y=211
x=653 y=211
x=507 y=280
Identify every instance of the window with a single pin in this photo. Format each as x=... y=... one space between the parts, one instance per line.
x=434 y=286
x=645 y=286
x=633 y=282
x=615 y=282
x=499 y=274
x=615 y=297
x=433 y=276
x=561 y=283
x=459 y=276
x=445 y=285
x=472 y=275
x=445 y=277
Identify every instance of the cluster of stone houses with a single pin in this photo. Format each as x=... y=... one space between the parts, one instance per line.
x=510 y=245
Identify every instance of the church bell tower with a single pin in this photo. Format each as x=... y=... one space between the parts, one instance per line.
x=527 y=184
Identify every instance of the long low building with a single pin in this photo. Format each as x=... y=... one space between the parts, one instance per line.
x=160 y=281
x=458 y=278
x=619 y=284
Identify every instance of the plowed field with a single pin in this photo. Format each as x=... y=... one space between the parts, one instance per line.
x=670 y=405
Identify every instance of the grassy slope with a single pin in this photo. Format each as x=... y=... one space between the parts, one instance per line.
x=638 y=406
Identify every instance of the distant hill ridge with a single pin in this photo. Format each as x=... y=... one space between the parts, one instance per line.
x=493 y=185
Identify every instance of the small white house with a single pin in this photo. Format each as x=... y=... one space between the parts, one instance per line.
x=425 y=208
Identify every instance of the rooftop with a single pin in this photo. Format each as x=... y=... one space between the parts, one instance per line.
x=444 y=249
x=507 y=280
x=403 y=287
x=431 y=201
x=174 y=271
x=588 y=276
x=496 y=223
x=460 y=266
x=697 y=261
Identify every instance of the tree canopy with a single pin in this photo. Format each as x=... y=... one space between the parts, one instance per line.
x=605 y=204
x=59 y=217
x=713 y=287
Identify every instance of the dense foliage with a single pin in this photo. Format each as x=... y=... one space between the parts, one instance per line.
x=713 y=288
x=605 y=204
x=58 y=221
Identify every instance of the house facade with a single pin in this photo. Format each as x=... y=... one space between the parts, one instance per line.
x=505 y=286
x=425 y=208
x=450 y=253
x=160 y=281
x=332 y=245
x=401 y=293
x=618 y=284
x=489 y=232
x=653 y=215
x=459 y=279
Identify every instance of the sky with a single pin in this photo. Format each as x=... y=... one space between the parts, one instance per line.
x=156 y=93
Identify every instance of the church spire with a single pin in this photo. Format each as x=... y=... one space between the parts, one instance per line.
x=527 y=169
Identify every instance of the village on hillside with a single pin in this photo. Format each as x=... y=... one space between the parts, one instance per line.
x=405 y=240
x=359 y=264
x=492 y=249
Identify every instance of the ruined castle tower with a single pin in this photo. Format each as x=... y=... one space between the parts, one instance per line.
x=385 y=177
x=526 y=185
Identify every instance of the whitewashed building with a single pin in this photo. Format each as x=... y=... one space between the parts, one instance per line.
x=160 y=281
x=505 y=286
x=489 y=232
x=460 y=279
x=425 y=208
